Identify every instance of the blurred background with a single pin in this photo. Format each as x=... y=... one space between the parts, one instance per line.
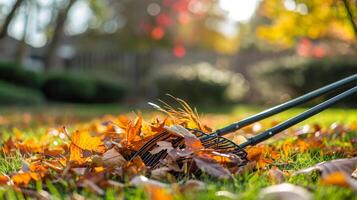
x=208 y=52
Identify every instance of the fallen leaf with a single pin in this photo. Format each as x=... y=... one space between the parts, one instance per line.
x=191 y=141
x=285 y=191
x=339 y=179
x=162 y=145
x=276 y=176
x=192 y=185
x=83 y=143
x=155 y=189
x=212 y=167
x=3 y=179
x=135 y=167
x=160 y=173
x=239 y=139
x=346 y=165
x=23 y=179
x=112 y=158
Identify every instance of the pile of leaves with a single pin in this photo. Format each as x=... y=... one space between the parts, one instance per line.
x=100 y=155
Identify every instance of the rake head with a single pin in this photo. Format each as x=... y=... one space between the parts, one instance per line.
x=211 y=141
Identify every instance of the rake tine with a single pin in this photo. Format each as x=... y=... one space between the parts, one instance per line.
x=225 y=145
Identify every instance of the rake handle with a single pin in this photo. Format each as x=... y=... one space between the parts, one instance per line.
x=292 y=121
x=285 y=106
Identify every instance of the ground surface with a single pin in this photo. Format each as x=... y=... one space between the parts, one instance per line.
x=341 y=124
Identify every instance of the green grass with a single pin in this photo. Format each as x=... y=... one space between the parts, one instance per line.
x=246 y=186
x=10 y=164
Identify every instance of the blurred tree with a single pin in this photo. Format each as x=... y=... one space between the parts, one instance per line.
x=57 y=34
x=28 y=8
x=166 y=23
x=9 y=17
x=290 y=20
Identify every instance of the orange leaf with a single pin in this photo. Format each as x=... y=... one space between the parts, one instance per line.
x=335 y=178
x=157 y=193
x=82 y=142
x=3 y=179
x=133 y=130
x=25 y=178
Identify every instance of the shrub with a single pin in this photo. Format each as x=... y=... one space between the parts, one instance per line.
x=13 y=94
x=108 y=91
x=80 y=89
x=201 y=83
x=295 y=76
x=13 y=73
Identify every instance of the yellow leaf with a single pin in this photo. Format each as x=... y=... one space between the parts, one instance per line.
x=83 y=145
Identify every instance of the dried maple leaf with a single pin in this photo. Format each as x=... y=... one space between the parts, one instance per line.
x=261 y=155
x=212 y=167
x=83 y=145
x=133 y=130
x=191 y=141
x=162 y=145
x=112 y=158
x=346 y=166
x=134 y=167
x=24 y=178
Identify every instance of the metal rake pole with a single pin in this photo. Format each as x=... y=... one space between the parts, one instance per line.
x=285 y=106
x=292 y=121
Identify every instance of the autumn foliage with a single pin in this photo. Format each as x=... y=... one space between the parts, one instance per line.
x=99 y=154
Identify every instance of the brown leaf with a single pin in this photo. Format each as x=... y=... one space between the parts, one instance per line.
x=346 y=166
x=285 y=191
x=192 y=185
x=276 y=176
x=135 y=167
x=162 y=145
x=160 y=173
x=212 y=167
x=191 y=141
x=112 y=158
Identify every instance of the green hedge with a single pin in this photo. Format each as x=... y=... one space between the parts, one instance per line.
x=13 y=73
x=57 y=87
x=201 y=84
x=13 y=94
x=81 y=89
x=294 y=76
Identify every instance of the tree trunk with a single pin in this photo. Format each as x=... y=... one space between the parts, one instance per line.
x=9 y=17
x=57 y=36
x=350 y=16
x=22 y=46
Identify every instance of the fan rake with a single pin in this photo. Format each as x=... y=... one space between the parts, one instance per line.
x=218 y=143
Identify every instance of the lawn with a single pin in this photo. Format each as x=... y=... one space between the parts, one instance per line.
x=339 y=125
